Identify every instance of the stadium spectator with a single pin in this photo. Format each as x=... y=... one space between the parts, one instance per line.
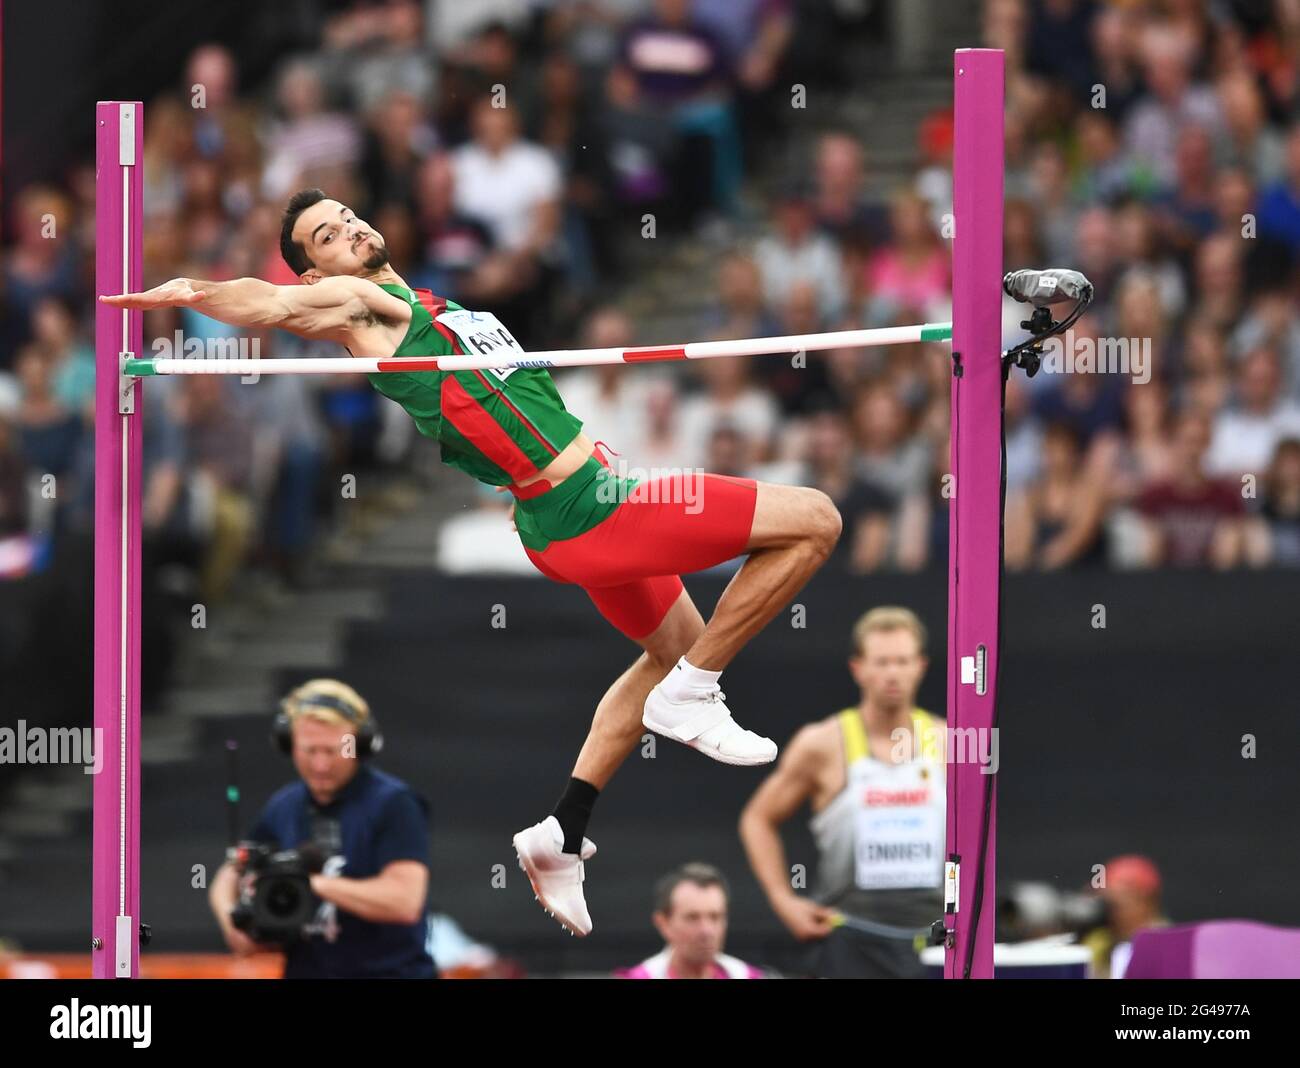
x=909 y=277
x=612 y=403
x=513 y=188
x=1279 y=204
x=841 y=205
x=796 y=252
x=1055 y=521
x=1246 y=434
x=673 y=62
x=218 y=435
x=1192 y=520
x=867 y=510
x=729 y=395
x=1273 y=535
x=690 y=915
x=1174 y=99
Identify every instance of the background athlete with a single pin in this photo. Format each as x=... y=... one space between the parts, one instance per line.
x=622 y=541
x=874 y=776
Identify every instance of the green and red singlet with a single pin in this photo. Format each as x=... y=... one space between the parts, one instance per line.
x=499 y=427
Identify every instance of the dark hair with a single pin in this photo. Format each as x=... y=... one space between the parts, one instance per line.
x=702 y=875
x=887 y=617
x=496 y=28
x=824 y=402
x=294 y=254
x=1284 y=446
x=1066 y=429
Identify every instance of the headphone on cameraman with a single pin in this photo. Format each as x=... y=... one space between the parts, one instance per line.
x=366 y=731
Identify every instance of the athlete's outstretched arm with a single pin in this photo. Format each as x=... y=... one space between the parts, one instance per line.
x=324 y=311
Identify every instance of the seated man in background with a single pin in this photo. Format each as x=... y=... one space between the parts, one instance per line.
x=691 y=915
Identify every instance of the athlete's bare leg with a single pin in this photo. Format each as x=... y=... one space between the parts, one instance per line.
x=795 y=528
x=793 y=531
x=617 y=728
x=556 y=876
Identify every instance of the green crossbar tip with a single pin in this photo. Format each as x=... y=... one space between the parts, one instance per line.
x=936 y=332
x=140 y=368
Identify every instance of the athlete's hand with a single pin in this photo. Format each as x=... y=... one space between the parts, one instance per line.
x=805 y=919
x=174 y=294
x=511 y=514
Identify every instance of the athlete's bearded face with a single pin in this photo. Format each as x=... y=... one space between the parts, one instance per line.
x=337 y=242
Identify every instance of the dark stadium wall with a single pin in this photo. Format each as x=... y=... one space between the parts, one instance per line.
x=1127 y=738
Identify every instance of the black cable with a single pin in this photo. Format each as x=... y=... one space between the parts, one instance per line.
x=977 y=905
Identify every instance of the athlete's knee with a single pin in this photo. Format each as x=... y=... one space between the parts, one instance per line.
x=824 y=522
x=672 y=640
x=661 y=655
x=660 y=659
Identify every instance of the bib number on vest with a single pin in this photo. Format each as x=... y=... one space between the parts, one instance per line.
x=899 y=827
x=483 y=334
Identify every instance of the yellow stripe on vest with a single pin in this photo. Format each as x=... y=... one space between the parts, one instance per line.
x=927 y=735
x=855 y=736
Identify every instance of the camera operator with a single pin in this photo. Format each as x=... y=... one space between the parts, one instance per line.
x=359 y=839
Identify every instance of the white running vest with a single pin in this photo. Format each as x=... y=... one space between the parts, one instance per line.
x=885 y=830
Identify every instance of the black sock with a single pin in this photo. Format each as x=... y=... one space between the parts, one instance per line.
x=574 y=811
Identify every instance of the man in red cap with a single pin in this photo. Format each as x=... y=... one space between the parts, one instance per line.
x=1131 y=894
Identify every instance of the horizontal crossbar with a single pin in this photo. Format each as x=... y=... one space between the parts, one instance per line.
x=694 y=350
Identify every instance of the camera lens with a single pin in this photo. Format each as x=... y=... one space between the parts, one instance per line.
x=284 y=899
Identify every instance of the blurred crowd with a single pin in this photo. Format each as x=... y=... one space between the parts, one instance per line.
x=501 y=151
x=491 y=146
x=1155 y=147
x=1151 y=145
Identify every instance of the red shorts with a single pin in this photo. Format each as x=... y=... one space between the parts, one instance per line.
x=630 y=563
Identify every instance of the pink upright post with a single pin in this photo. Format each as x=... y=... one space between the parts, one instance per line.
x=119 y=201
x=975 y=542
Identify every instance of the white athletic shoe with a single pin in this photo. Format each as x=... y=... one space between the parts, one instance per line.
x=556 y=876
x=705 y=723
